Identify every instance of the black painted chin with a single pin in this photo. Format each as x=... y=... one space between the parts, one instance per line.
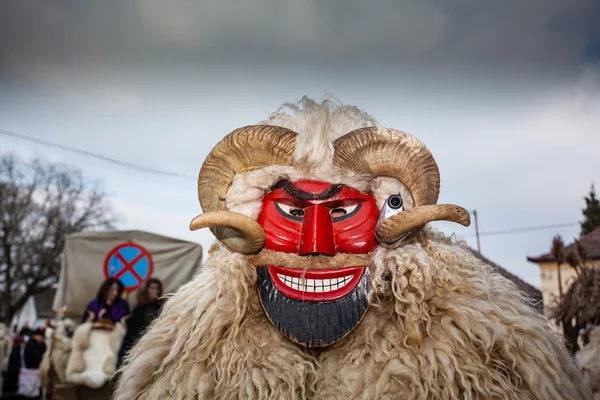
x=309 y=323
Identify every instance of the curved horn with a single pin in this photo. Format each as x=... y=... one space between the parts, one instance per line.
x=393 y=153
x=243 y=150
x=240 y=233
x=389 y=152
x=395 y=227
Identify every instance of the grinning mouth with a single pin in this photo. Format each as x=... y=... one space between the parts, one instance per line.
x=315 y=285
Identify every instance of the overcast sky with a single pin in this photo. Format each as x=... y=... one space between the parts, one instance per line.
x=506 y=94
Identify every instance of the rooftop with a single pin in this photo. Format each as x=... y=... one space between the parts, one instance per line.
x=590 y=242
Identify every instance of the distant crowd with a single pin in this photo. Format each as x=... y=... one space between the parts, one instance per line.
x=21 y=377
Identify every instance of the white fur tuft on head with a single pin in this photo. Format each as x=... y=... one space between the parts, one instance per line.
x=318 y=125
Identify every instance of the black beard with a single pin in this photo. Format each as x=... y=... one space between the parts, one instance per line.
x=310 y=323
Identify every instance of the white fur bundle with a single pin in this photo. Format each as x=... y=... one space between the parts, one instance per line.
x=93 y=358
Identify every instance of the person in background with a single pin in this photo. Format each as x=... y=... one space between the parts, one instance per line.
x=108 y=303
x=11 y=378
x=29 y=374
x=149 y=305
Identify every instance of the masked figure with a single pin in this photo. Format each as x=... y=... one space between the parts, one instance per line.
x=326 y=282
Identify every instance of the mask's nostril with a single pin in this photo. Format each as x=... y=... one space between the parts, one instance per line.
x=338 y=212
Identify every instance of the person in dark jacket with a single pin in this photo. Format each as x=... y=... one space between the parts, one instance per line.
x=35 y=349
x=11 y=379
x=149 y=305
x=29 y=381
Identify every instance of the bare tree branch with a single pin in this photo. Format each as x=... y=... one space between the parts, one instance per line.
x=41 y=203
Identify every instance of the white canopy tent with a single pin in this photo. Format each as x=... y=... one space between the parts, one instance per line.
x=26 y=317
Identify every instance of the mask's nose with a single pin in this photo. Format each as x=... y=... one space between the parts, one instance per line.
x=317 y=232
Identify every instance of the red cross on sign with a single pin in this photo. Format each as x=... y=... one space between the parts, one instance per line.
x=130 y=263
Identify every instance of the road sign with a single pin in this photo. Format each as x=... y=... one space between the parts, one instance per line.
x=130 y=263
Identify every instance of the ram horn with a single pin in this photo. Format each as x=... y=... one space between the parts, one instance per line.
x=392 y=153
x=238 y=232
x=245 y=149
x=394 y=228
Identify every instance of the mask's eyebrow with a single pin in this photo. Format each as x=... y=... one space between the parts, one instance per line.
x=300 y=194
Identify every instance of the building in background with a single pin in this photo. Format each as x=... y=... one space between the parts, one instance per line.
x=549 y=267
x=43 y=305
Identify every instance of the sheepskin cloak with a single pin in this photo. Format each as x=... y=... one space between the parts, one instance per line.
x=442 y=325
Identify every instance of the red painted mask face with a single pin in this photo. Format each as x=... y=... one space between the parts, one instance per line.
x=319 y=306
x=317 y=218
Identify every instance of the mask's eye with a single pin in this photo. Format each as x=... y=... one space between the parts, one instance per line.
x=290 y=212
x=395 y=202
x=393 y=205
x=341 y=213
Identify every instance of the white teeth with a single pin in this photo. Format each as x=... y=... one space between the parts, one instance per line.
x=315 y=285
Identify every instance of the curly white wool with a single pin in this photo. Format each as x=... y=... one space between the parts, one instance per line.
x=442 y=324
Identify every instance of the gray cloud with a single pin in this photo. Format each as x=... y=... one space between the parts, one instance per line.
x=543 y=34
